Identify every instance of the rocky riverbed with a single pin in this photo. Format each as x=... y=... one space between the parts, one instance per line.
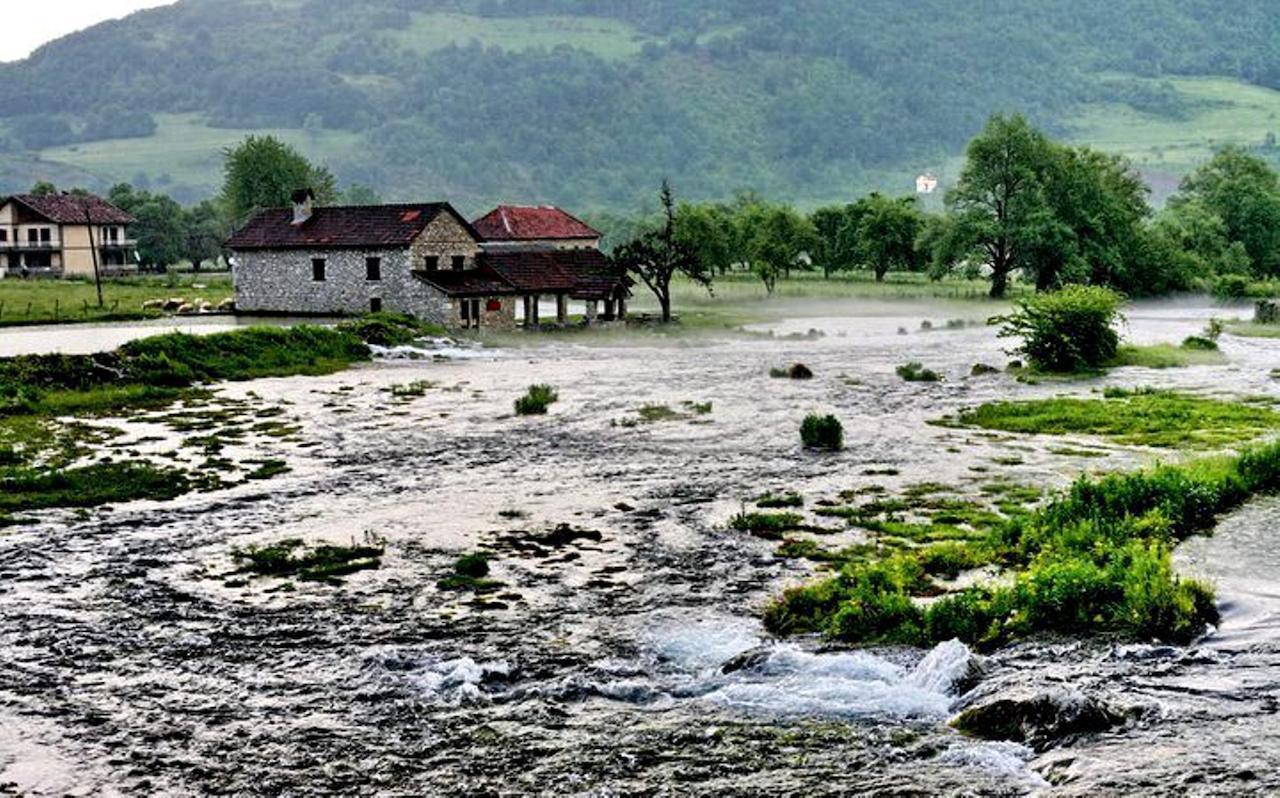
x=618 y=653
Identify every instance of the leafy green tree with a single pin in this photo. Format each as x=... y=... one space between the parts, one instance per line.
x=780 y=240
x=160 y=227
x=207 y=227
x=263 y=172
x=655 y=257
x=1244 y=191
x=887 y=233
x=835 y=248
x=709 y=231
x=44 y=188
x=999 y=204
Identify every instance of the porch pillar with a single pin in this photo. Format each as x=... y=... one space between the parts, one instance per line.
x=562 y=309
x=593 y=309
x=535 y=300
x=622 y=308
x=608 y=309
x=528 y=311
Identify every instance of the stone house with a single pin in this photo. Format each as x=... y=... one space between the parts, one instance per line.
x=64 y=235
x=425 y=260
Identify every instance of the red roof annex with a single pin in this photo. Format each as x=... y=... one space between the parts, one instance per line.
x=532 y=223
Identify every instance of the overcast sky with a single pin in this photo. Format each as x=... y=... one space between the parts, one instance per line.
x=27 y=24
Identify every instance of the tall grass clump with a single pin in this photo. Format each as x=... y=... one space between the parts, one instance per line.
x=536 y=400
x=1098 y=559
x=822 y=432
x=1073 y=329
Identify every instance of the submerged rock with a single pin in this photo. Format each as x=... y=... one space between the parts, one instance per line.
x=1040 y=718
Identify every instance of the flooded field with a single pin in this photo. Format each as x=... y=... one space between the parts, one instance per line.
x=621 y=653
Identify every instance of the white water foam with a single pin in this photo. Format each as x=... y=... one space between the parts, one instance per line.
x=785 y=679
x=435 y=349
x=451 y=682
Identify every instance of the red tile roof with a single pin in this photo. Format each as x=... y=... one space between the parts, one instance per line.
x=372 y=226
x=530 y=223
x=71 y=208
x=580 y=273
x=478 y=282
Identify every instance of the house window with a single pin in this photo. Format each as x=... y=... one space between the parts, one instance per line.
x=470 y=313
x=111 y=234
x=373 y=268
x=44 y=235
x=431 y=263
x=317 y=270
x=33 y=236
x=459 y=262
x=375 y=305
x=4 y=235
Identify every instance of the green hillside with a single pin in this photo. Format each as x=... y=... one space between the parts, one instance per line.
x=591 y=104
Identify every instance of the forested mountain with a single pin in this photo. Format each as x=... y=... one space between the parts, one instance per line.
x=592 y=102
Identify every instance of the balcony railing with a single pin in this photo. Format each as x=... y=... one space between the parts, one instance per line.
x=120 y=243
x=35 y=245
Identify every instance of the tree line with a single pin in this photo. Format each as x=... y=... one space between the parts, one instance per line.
x=1024 y=205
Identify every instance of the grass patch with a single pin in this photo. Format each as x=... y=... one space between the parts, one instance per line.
x=1145 y=418
x=770 y=526
x=1097 y=559
x=45 y=301
x=536 y=401
x=90 y=486
x=391 y=329
x=1166 y=356
x=780 y=501
x=1254 y=330
x=292 y=558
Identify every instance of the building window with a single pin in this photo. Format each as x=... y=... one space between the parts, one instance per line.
x=33 y=236
x=317 y=270
x=375 y=305
x=373 y=268
x=431 y=263
x=459 y=262
x=44 y=235
x=4 y=235
x=470 y=313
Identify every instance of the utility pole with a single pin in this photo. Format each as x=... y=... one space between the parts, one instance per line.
x=93 y=249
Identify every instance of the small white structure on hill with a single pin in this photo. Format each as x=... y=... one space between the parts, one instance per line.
x=926 y=183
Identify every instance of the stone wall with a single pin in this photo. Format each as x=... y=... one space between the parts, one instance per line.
x=496 y=313
x=280 y=281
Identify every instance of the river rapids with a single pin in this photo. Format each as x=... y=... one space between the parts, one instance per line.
x=622 y=655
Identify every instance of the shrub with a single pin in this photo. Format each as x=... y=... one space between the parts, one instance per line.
x=1231 y=286
x=915 y=372
x=536 y=401
x=472 y=565
x=390 y=329
x=1068 y=330
x=1266 y=312
x=822 y=432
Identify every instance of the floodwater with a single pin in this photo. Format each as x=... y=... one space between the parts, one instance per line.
x=85 y=339
x=622 y=657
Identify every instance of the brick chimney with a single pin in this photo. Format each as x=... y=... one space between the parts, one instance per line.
x=303 y=199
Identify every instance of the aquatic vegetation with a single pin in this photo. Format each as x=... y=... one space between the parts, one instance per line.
x=1142 y=418
x=24 y=489
x=322 y=563
x=1065 y=331
x=770 y=526
x=1095 y=559
x=822 y=432
x=536 y=401
x=916 y=372
x=470 y=573
x=780 y=501
x=982 y=370
x=411 y=390
x=266 y=469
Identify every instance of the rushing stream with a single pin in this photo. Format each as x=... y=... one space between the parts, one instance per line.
x=625 y=657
